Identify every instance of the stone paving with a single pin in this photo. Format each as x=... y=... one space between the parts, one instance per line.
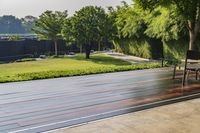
x=183 y=117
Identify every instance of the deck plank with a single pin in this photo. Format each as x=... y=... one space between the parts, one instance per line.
x=35 y=103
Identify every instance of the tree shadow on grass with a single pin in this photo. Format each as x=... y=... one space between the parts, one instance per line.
x=102 y=59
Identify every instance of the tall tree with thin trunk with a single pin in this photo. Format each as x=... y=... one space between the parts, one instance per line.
x=49 y=26
x=187 y=10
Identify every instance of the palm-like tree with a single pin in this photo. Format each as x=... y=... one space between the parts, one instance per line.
x=49 y=26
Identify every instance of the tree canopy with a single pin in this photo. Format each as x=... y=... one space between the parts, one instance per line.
x=136 y=23
x=140 y=22
x=87 y=27
x=28 y=23
x=130 y=22
x=188 y=11
x=49 y=26
x=10 y=25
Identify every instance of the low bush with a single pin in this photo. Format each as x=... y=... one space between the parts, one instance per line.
x=65 y=67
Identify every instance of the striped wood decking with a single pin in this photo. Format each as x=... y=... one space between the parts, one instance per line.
x=41 y=105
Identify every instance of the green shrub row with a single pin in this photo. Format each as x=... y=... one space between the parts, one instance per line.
x=77 y=72
x=140 y=49
x=146 y=48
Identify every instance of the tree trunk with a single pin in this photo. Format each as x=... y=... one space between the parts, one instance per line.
x=87 y=51
x=56 y=48
x=193 y=33
x=99 y=46
x=81 y=48
x=192 y=40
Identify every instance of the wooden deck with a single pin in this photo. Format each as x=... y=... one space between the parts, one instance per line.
x=42 y=105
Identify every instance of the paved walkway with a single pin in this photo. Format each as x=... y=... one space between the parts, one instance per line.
x=129 y=58
x=181 y=117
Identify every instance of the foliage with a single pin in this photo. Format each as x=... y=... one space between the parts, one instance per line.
x=132 y=47
x=130 y=23
x=68 y=32
x=87 y=27
x=175 y=49
x=136 y=26
x=28 y=23
x=49 y=26
x=146 y=48
x=163 y=23
x=129 y=27
x=188 y=11
x=111 y=25
x=54 y=68
x=11 y=25
x=186 y=8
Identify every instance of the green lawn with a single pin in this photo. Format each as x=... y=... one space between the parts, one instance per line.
x=63 y=67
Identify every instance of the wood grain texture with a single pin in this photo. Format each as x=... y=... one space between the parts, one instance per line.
x=35 y=103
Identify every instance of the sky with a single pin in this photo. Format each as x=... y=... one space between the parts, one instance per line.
x=21 y=8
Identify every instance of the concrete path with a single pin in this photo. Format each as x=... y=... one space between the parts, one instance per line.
x=181 y=117
x=129 y=58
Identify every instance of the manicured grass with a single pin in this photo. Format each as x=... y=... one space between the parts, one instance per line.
x=63 y=67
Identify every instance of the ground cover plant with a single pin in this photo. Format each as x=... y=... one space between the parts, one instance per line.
x=64 y=67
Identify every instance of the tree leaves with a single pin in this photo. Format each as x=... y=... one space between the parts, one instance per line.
x=87 y=26
x=164 y=24
x=49 y=25
x=133 y=22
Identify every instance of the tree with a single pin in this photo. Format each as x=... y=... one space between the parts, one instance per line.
x=130 y=23
x=28 y=23
x=86 y=28
x=11 y=25
x=112 y=15
x=103 y=27
x=49 y=26
x=187 y=10
x=163 y=23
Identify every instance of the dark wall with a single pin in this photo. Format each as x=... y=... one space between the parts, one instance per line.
x=16 y=49
x=8 y=48
x=12 y=50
